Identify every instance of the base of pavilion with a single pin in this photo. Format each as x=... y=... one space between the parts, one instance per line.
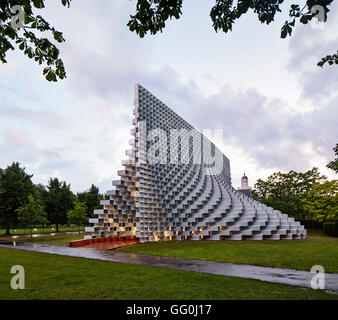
x=105 y=243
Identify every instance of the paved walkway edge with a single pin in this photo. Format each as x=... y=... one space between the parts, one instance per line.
x=275 y=275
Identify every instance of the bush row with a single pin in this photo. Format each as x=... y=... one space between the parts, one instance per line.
x=331 y=228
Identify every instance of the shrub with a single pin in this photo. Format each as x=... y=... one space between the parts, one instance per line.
x=331 y=228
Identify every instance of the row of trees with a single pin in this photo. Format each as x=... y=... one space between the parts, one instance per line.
x=26 y=204
x=302 y=195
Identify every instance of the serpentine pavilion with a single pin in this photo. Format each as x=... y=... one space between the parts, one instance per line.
x=176 y=185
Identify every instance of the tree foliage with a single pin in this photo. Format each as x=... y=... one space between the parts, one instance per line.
x=151 y=15
x=29 y=204
x=92 y=199
x=59 y=199
x=32 y=213
x=27 y=37
x=15 y=186
x=334 y=163
x=322 y=201
x=78 y=215
x=285 y=191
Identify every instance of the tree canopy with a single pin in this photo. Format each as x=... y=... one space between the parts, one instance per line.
x=59 y=199
x=322 y=201
x=152 y=15
x=78 y=215
x=15 y=186
x=21 y=27
x=32 y=213
x=334 y=163
x=285 y=191
x=92 y=199
x=25 y=204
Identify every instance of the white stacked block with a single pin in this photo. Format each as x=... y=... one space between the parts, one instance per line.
x=181 y=199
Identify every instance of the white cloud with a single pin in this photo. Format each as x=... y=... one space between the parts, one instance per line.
x=78 y=129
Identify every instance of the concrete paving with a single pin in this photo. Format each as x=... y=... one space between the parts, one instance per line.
x=276 y=275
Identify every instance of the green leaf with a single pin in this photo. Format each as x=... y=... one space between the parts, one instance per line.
x=303 y=19
x=38 y=4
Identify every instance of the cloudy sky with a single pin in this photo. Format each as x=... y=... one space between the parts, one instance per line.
x=277 y=109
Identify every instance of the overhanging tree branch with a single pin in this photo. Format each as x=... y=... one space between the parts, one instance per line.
x=24 y=37
x=151 y=15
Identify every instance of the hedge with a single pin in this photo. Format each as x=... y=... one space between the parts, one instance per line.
x=331 y=228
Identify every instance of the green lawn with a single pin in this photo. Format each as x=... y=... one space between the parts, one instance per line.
x=293 y=254
x=58 y=277
x=57 y=240
x=21 y=231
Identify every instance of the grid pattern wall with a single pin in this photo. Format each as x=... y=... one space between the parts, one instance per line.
x=178 y=197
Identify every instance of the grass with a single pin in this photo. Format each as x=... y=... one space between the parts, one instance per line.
x=57 y=240
x=58 y=277
x=294 y=254
x=318 y=249
x=22 y=231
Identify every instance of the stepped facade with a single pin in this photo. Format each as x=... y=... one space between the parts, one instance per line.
x=176 y=185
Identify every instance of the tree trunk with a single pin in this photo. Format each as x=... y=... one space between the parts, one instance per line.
x=7 y=231
x=31 y=232
x=79 y=229
x=57 y=227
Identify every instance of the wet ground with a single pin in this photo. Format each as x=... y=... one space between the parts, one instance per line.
x=277 y=275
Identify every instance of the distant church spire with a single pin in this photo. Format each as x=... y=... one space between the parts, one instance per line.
x=244 y=182
x=244 y=188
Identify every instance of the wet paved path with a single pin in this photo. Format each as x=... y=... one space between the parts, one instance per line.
x=284 y=276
